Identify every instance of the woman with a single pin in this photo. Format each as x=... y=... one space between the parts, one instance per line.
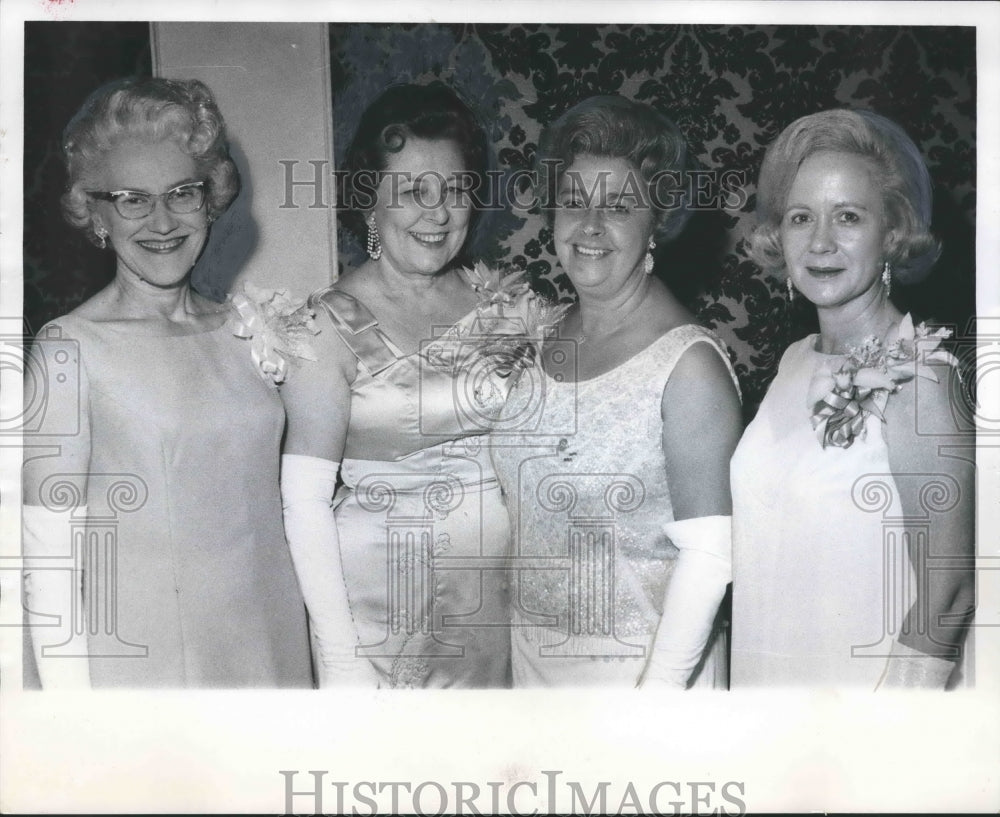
x=841 y=465
x=418 y=531
x=159 y=446
x=615 y=464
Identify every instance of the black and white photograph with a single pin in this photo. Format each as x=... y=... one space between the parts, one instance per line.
x=499 y=408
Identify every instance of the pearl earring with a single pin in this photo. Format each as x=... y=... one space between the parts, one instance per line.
x=102 y=237
x=791 y=290
x=887 y=278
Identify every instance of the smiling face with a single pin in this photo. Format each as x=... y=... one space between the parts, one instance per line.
x=833 y=232
x=423 y=209
x=603 y=221
x=159 y=249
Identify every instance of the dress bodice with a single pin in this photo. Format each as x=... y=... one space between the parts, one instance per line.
x=184 y=451
x=422 y=530
x=401 y=403
x=586 y=486
x=816 y=579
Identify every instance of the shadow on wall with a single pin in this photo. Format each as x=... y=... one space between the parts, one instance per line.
x=233 y=240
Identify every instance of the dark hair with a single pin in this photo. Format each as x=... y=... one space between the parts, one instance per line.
x=899 y=173
x=150 y=108
x=617 y=127
x=431 y=111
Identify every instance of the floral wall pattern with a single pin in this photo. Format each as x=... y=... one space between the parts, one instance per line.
x=63 y=63
x=731 y=89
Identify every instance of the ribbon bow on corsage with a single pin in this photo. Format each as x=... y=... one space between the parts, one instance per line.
x=845 y=391
x=277 y=326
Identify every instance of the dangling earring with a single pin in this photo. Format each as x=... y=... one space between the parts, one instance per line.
x=647 y=262
x=102 y=236
x=374 y=242
x=887 y=278
x=791 y=290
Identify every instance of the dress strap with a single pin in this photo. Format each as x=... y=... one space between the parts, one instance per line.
x=685 y=336
x=358 y=328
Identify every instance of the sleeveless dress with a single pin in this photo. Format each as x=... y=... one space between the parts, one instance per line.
x=586 y=488
x=188 y=579
x=422 y=528
x=820 y=581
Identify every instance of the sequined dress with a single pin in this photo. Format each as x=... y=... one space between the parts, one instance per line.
x=583 y=474
x=422 y=528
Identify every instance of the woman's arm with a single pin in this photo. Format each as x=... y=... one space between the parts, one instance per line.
x=59 y=451
x=927 y=447
x=701 y=427
x=317 y=398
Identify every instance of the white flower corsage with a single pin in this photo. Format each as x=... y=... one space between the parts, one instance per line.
x=504 y=328
x=277 y=326
x=845 y=391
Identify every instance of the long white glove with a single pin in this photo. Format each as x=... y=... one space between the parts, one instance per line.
x=307 y=485
x=47 y=534
x=907 y=668
x=704 y=568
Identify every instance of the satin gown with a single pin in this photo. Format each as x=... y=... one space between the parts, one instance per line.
x=423 y=531
x=188 y=579
x=583 y=473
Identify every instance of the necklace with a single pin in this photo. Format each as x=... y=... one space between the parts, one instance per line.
x=582 y=339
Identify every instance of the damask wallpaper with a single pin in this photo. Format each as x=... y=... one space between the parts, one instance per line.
x=731 y=89
x=63 y=63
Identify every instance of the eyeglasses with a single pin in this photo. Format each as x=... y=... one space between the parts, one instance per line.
x=134 y=204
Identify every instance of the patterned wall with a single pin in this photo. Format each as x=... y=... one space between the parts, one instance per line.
x=63 y=63
x=731 y=88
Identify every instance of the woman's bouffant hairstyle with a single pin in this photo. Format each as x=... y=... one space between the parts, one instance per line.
x=616 y=127
x=432 y=112
x=150 y=109
x=898 y=171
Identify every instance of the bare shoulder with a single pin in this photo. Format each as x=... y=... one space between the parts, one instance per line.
x=701 y=369
x=332 y=356
x=925 y=413
x=700 y=395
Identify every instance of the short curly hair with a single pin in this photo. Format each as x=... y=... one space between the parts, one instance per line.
x=899 y=173
x=149 y=108
x=617 y=127
x=433 y=112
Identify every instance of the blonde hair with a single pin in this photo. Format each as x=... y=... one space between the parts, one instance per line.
x=900 y=173
x=153 y=109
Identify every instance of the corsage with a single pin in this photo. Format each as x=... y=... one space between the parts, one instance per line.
x=277 y=326
x=844 y=392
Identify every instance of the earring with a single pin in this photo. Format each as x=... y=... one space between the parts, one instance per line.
x=374 y=242
x=887 y=278
x=102 y=236
x=791 y=290
x=647 y=262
